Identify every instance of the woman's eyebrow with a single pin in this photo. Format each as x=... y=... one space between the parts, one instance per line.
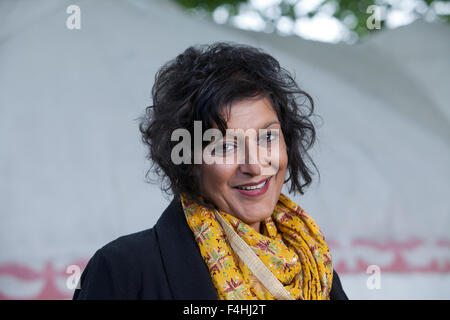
x=268 y=124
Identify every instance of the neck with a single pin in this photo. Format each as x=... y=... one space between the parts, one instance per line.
x=256 y=226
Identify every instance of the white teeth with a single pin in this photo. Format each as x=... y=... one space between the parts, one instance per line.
x=258 y=186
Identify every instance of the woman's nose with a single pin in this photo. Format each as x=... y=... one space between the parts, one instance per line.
x=250 y=165
x=250 y=169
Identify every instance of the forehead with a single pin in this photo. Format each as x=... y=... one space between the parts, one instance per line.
x=251 y=113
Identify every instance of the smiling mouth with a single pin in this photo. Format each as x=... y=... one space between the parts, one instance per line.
x=253 y=187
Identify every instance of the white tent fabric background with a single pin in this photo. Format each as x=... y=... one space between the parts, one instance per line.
x=72 y=165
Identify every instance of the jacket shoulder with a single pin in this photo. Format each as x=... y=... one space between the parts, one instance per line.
x=337 y=292
x=117 y=270
x=131 y=244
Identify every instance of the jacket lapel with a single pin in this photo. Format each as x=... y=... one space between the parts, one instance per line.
x=187 y=274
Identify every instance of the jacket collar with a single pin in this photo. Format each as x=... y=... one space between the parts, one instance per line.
x=187 y=274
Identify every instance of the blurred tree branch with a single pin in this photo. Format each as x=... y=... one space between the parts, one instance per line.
x=353 y=15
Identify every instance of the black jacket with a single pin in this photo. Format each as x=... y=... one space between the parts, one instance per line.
x=163 y=262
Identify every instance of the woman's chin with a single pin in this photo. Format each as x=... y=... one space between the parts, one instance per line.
x=256 y=213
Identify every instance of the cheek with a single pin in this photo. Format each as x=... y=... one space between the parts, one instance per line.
x=279 y=156
x=215 y=176
x=283 y=156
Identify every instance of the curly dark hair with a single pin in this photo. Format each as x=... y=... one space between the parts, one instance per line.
x=204 y=81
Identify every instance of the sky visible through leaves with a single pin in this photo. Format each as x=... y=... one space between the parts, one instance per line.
x=322 y=20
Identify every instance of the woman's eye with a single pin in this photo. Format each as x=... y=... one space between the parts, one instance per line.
x=223 y=148
x=228 y=147
x=269 y=136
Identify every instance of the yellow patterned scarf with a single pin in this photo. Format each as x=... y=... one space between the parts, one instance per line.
x=291 y=246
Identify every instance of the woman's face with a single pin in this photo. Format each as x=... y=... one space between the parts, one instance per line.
x=248 y=189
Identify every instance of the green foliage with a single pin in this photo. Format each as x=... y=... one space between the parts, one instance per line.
x=352 y=13
x=209 y=5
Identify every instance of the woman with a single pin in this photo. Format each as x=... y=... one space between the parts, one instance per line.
x=229 y=232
